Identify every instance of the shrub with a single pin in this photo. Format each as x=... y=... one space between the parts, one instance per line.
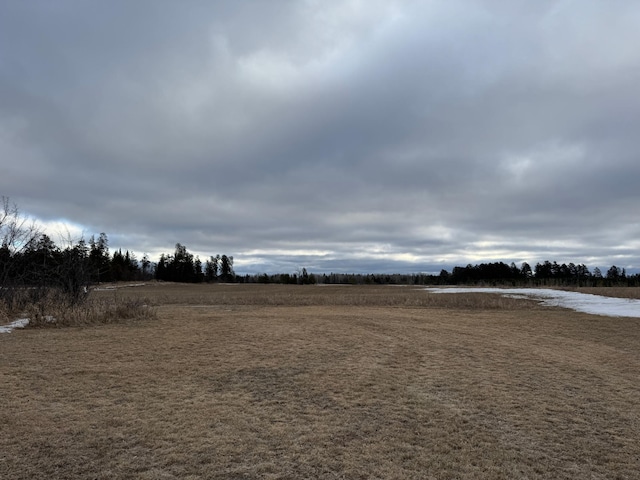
x=53 y=308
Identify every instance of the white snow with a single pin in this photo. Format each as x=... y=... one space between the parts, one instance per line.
x=20 y=323
x=580 y=302
x=115 y=287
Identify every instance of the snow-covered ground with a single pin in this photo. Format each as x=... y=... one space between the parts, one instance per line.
x=115 y=287
x=580 y=302
x=20 y=323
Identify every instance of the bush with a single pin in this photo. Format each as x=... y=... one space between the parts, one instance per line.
x=53 y=308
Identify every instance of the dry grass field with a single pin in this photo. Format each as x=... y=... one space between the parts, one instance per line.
x=290 y=382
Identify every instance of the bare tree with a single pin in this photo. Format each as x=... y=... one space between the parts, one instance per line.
x=17 y=232
x=19 y=235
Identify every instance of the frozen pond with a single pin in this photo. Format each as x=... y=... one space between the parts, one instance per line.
x=580 y=302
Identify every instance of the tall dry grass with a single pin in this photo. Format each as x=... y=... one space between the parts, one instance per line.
x=619 y=292
x=5 y=314
x=52 y=308
x=314 y=295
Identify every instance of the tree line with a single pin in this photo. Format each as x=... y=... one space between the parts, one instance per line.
x=30 y=261
x=484 y=274
x=182 y=266
x=544 y=273
x=30 y=258
x=40 y=262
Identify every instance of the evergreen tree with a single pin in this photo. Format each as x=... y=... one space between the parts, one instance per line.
x=99 y=258
x=197 y=268
x=211 y=269
x=145 y=267
x=226 y=268
x=162 y=269
x=525 y=270
x=183 y=267
x=74 y=272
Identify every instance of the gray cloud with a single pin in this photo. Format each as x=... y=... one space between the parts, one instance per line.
x=386 y=136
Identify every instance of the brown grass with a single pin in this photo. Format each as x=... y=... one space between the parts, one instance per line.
x=619 y=292
x=311 y=295
x=51 y=308
x=93 y=312
x=5 y=314
x=250 y=381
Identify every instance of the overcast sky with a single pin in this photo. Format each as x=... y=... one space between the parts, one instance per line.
x=360 y=136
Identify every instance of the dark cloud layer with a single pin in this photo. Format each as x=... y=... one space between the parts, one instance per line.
x=358 y=136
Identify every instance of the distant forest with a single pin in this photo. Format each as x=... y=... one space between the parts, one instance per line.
x=41 y=262
x=485 y=274
x=30 y=258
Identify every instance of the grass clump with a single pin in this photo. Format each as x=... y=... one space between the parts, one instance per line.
x=90 y=313
x=52 y=308
x=4 y=313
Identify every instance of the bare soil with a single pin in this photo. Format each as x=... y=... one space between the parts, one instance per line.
x=289 y=382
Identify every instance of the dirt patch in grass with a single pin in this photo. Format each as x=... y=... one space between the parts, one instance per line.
x=324 y=382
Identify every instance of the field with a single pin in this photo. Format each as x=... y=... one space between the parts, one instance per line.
x=264 y=381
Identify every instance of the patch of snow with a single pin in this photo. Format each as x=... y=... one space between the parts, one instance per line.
x=20 y=323
x=580 y=302
x=115 y=287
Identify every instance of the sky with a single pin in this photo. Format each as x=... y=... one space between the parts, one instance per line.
x=379 y=136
